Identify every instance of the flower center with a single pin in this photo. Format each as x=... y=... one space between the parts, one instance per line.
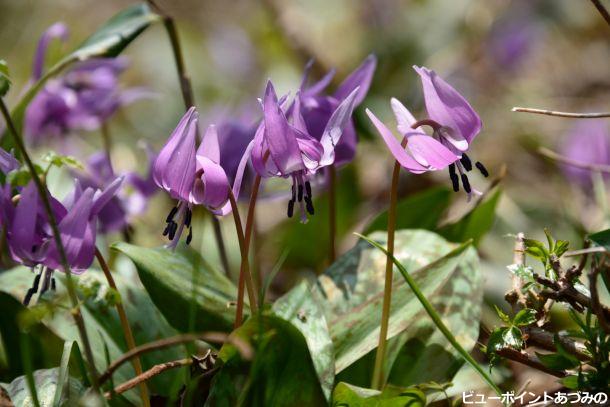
x=463 y=166
x=48 y=281
x=173 y=229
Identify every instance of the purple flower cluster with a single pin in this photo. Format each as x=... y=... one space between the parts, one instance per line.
x=454 y=122
x=81 y=99
x=28 y=232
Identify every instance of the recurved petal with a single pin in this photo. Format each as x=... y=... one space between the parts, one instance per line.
x=213 y=185
x=361 y=77
x=7 y=162
x=283 y=146
x=209 y=145
x=395 y=147
x=57 y=30
x=404 y=119
x=446 y=106
x=102 y=198
x=336 y=125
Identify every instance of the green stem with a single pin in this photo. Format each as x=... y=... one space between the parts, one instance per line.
x=436 y=318
x=332 y=212
x=127 y=333
x=57 y=237
x=378 y=371
x=26 y=357
x=186 y=88
x=245 y=277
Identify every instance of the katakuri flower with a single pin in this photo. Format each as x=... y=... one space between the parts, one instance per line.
x=587 y=142
x=81 y=99
x=318 y=107
x=31 y=242
x=454 y=122
x=285 y=149
x=192 y=175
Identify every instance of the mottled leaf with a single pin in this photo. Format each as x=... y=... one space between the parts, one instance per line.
x=46 y=387
x=346 y=394
x=300 y=307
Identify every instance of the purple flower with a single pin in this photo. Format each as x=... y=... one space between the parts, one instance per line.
x=29 y=236
x=82 y=99
x=8 y=163
x=285 y=149
x=317 y=108
x=588 y=141
x=191 y=175
x=454 y=122
x=117 y=214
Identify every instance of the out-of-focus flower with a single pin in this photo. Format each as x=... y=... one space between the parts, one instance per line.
x=317 y=107
x=130 y=201
x=454 y=122
x=82 y=99
x=234 y=136
x=588 y=142
x=191 y=175
x=283 y=149
x=7 y=162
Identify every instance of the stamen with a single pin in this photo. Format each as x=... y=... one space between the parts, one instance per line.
x=465 y=160
x=294 y=194
x=300 y=197
x=53 y=287
x=466 y=183
x=309 y=205
x=187 y=218
x=454 y=178
x=46 y=282
x=171 y=215
x=32 y=290
x=308 y=188
x=482 y=168
x=290 y=208
x=189 y=237
x=167 y=228
x=172 y=230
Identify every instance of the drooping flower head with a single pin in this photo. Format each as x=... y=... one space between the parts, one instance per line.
x=317 y=106
x=588 y=142
x=191 y=175
x=31 y=242
x=82 y=99
x=454 y=122
x=283 y=148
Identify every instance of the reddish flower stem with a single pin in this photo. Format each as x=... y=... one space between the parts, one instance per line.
x=332 y=212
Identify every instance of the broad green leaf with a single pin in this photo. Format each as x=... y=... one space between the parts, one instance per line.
x=346 y=394
x=190 y=293
x=46 y=346
x=117 y=33
x=108 y=41
x=280 y=373
x=476 y=223
x=525 y=317
x=102 y=322
x=46 y=387
x=300 y=307
x=5 y=80
x=601 y=238
x=352 y=289
x=422 y=210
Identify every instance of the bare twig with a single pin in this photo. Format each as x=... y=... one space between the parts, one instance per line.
x=595 y=304
x=573 y=163
x=528 y=360
x=214 y=337
x=561 y=114
x=519 y=258
x=545 y=340
x=602 y=10
x=150 y=373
